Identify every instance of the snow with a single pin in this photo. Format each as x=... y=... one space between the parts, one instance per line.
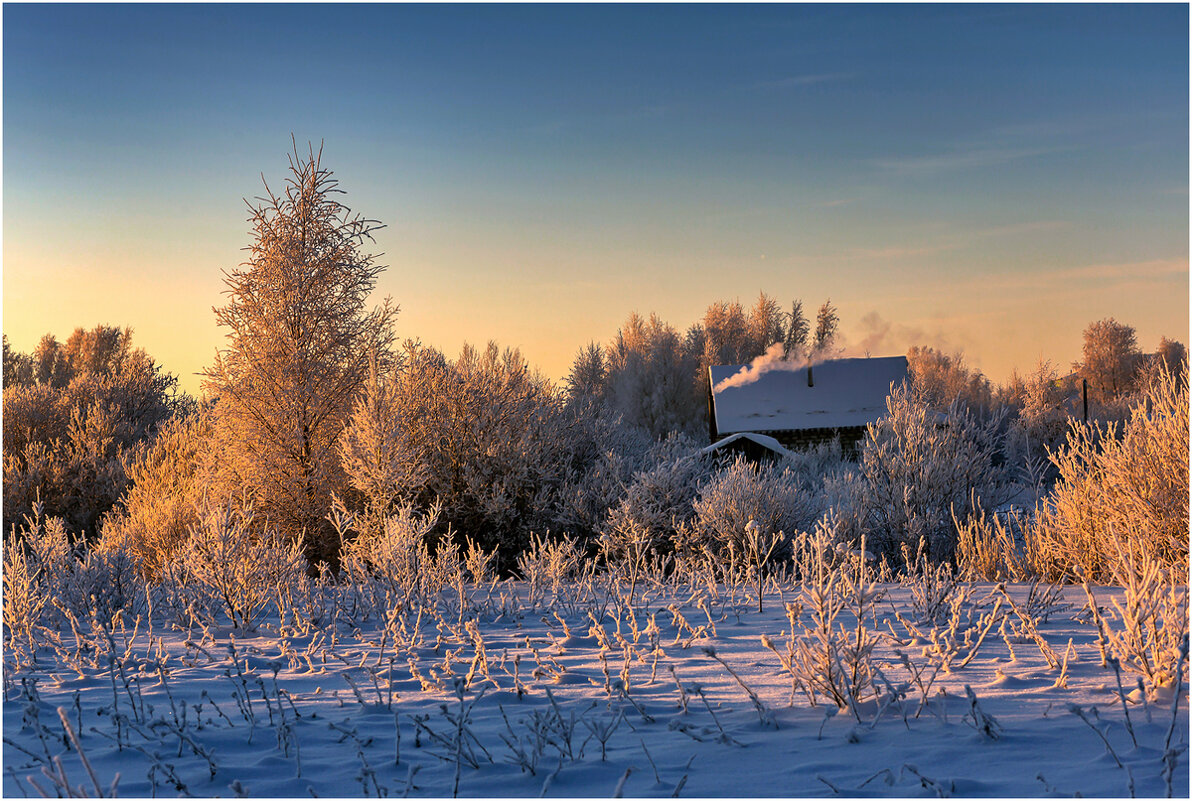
x=349 y=709
x=761 y=439
x=846 y=392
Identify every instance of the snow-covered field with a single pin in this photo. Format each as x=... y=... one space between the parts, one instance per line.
x=971 y=690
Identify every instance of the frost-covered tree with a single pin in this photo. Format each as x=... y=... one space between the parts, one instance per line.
x=651 y=377
x=300 y=336
x=826 y=322
x=1111 y=360
x=18 y=367
x=588 y=373
x=941 y=379
x=1171 y=357
x=798 y=329
x=764 y=325
x=68 y=433
x=726 y=334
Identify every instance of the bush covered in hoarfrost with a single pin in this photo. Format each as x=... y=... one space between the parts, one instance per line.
x=1123 y=489
x=236 y=566
x=169 y=480
x=917 y=469
x=658 y=499
x=72 y=418
x=52 y=584
x=768 y=496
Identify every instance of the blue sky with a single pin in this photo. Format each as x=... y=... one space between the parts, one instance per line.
x=989 y=178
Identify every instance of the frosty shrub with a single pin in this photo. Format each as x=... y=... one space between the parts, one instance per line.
x=817 y=469
x=395 y=554
x=377 y=456
x=917 y=470
x=768 y=498
x=169 y=480
x=37 y=560
x=493 y=437
x=657 y=500
x=1148 y=625
x=998 y=548
x=236 y=566
x=1042 y=403
x=941 y=379
x=48 y=582
x=549 y=562
x=604 y=454
x=1126 y=485
x=64 y=442
x=833 y=656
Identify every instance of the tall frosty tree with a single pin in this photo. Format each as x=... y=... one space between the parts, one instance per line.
x=300 y=339
x=826 y=321
x=797 y=330
x=1111 y=359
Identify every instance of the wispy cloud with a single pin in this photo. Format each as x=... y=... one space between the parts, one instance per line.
x=1134 y=272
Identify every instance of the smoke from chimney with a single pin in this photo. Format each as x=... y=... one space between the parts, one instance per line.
x=768 y=362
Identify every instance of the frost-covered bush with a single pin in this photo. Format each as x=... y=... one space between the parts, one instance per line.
x=1126 y=485
x=604 y=453
x=767 y=496
x=379 y=460
x=65 y=437
x=169 y=480
x=49 y=582
x=658 y=499
x=818 y=469
x=394 y=553
x=940 y=380
x=37 y=559
x=917 y=469
x=549 y=562
x=234 y=566
x=998 y=548
x=492 y=437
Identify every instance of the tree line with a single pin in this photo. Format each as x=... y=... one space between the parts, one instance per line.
x=318 y=424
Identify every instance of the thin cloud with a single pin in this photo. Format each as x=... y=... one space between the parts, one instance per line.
x=1112 y=273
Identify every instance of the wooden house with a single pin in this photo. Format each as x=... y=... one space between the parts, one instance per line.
x=805 y=406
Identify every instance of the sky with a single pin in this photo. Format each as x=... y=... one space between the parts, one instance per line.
x=981 y=178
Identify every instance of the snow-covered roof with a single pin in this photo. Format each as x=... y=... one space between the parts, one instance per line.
x=846 y=392
x=761 y=439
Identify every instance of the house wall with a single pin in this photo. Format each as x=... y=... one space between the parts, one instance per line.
x=803 y=439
